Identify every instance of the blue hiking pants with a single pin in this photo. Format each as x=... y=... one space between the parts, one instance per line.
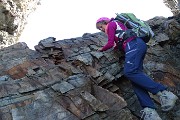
x=133 y=70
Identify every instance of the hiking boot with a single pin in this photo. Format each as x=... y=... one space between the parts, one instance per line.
x=149 y=114
x=167 y=100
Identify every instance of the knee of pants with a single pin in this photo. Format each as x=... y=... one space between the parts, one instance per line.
x=130 y=72
x=127 y=73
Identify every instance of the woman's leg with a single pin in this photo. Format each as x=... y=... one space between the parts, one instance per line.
x=143 y=96
x=133 y=70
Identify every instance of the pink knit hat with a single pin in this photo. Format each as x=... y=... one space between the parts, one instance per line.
x=103 y=19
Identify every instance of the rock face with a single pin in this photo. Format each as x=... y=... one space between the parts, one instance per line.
x=173 y=5
x=70 y=80
x=13 y=17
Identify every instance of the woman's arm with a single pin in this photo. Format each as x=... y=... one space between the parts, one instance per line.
x=111 y=36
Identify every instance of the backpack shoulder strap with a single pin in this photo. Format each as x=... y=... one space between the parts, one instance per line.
x=118 y=27
x=119 y=32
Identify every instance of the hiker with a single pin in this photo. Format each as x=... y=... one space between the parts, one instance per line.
x=135 y=49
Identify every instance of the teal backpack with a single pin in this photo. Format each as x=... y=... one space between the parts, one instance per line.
x=137 y=26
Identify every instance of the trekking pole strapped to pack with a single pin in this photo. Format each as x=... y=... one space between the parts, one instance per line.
x=141 y=28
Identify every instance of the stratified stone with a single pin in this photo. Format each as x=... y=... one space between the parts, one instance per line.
x=113 y=101
x=95 y=103
x=63 y=87
x=78 y=80
x=43 y=107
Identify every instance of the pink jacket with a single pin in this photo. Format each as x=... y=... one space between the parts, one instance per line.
x=110 y=31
